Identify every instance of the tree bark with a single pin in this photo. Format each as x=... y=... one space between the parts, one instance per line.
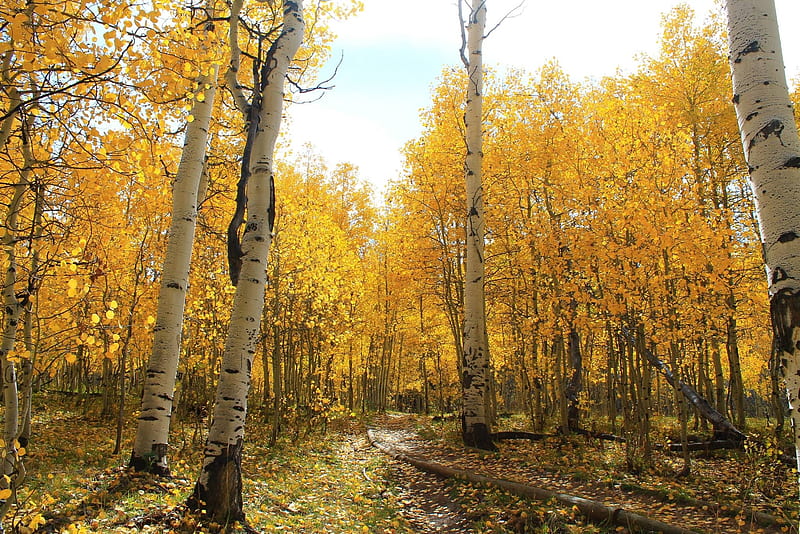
x=11 y=470
x=475 y=356
x=772 y=151
x=219 y=487
x=575 y=383
x=152 y=431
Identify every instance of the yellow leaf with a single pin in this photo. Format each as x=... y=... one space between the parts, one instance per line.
x=110 y=314
x=113 y=304
x=104 y=63
x=5 y=494
x=95 y=318
x=71 y=358
x=190 y=118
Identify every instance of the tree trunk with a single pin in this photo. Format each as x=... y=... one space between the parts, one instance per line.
x=219 y=487
x=475 y=356
x=152 y=431
x=772 y=151
x=277 y=385
x=734 y=363
x=575 y=383
x=11 y=465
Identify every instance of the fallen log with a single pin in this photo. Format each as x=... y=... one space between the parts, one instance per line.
x=600 y=435
x=533 y=436
x=721 y=424
x=703 y=445
x=519 y=434
x=592 y=510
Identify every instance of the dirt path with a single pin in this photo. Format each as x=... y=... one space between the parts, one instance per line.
x=431 y=510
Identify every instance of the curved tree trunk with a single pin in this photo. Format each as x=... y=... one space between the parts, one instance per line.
x=152 y=432
x=772 y=150
x=219 y=487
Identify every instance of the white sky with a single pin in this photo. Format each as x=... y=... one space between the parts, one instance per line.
x=395 y=50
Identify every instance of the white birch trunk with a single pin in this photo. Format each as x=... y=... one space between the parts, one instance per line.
x=772 y=151
x=219 y=487
x=152 y=432
x=475 y=372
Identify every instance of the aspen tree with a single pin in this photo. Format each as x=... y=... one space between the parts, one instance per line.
x=152 y=432
x=12 y=471
x=475 y=358
x=772 y=151
x=219 y=486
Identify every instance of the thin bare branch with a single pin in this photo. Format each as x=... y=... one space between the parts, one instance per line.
x=512 y=13
x=463 y=50
x=232 y=74
x=322 y=85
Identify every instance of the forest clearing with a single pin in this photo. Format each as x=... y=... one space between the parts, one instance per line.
x=575 y=309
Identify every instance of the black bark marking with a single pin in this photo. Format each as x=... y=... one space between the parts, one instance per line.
x=271 y=210
x=735 y=99
x=235 y=252
x=478 y=436
x=148 y=418
x=151 y=462
x=773 y=127
x=749 y=49
x=220 y=498
x=793 y=162
x=787 y=237
x=232 y=371
x=751 y=116
x=785 y=311
x=778 y=275
x=466 y=380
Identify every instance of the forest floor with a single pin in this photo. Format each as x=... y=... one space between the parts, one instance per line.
x=333 y=481
x=718 y=497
